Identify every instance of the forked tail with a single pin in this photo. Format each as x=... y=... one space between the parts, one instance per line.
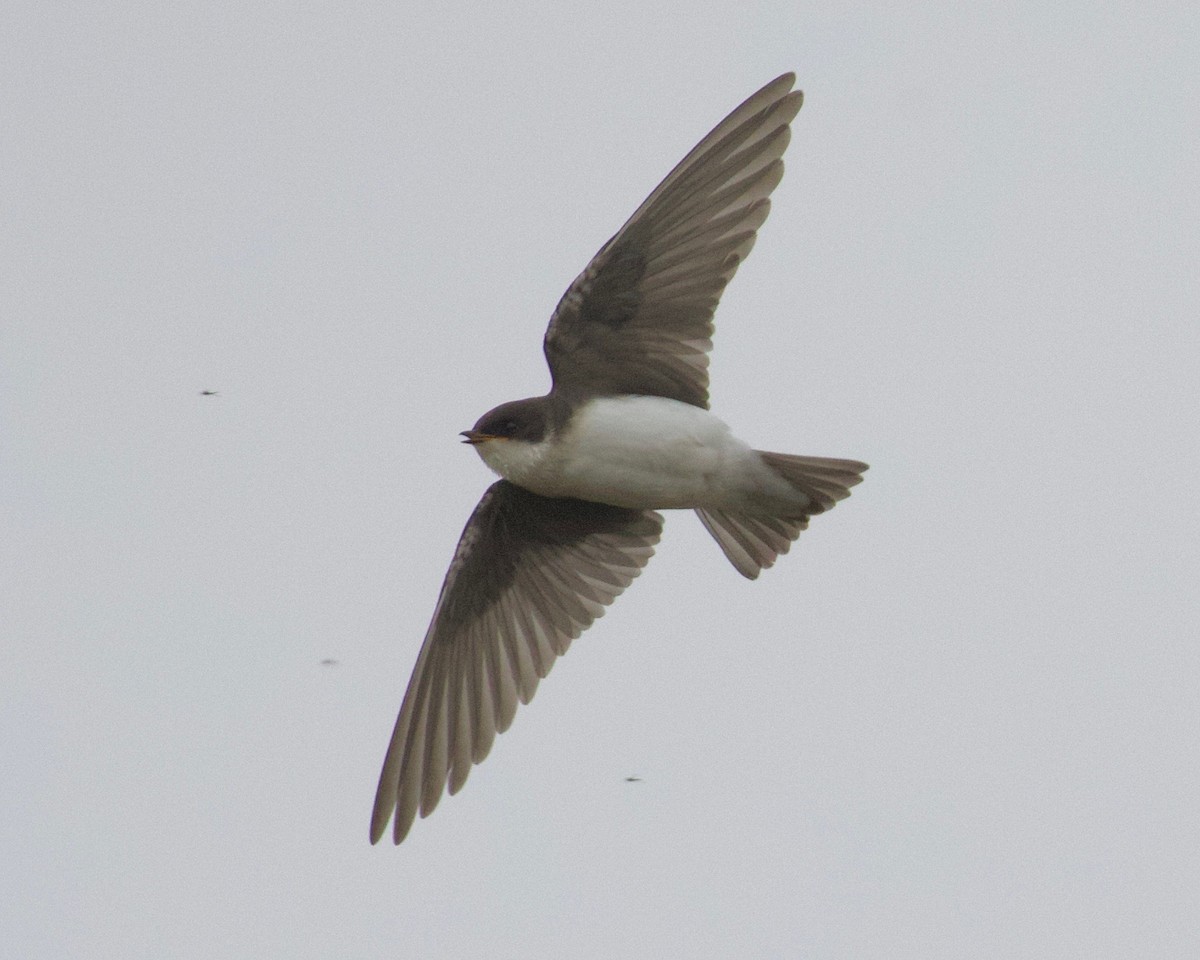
x=752 y=542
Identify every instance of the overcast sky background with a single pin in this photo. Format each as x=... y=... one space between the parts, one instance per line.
x=959 y=720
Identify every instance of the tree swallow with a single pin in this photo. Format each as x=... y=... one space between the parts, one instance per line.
x=624 y=432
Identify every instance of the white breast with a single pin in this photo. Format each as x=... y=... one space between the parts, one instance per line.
x=646 y=452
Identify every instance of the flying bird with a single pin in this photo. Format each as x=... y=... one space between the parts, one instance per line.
x=624 y=432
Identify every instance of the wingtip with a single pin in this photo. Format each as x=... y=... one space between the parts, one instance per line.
x=378 y=827
x=782 y=86
x=400 y=831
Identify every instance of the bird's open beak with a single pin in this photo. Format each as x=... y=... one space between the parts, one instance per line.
x=475 y=437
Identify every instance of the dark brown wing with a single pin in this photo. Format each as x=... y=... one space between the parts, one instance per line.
x=639 y=318
x=529 y=575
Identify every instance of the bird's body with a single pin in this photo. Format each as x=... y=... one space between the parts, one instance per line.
x=624 y=432
x=646 y=453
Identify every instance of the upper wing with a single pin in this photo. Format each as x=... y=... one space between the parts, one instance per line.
x=529 y=575
x=639 y=318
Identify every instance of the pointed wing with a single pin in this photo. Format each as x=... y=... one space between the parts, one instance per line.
x=530 y=574
x=639 y=318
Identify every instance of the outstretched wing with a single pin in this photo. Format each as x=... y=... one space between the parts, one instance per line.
x=529 y=575
x=639 y=318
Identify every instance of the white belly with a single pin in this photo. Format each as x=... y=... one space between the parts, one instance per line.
x=649 y=453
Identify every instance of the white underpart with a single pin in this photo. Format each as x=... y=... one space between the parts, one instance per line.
x=647 y=453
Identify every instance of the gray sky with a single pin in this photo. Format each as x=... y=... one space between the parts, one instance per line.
x=959 y=720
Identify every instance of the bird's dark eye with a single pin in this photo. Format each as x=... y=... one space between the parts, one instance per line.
x=508 y=427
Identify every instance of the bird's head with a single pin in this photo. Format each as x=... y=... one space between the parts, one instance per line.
x=521 y=420
x=510 y=437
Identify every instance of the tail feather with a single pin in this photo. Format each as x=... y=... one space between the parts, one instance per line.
x=754 y=542
x=749 y=542
x=824 y=479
